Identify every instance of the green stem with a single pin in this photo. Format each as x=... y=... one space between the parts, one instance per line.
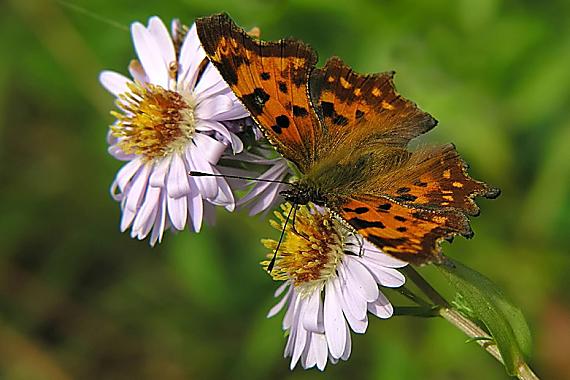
x=463 y=323
x=415 y=311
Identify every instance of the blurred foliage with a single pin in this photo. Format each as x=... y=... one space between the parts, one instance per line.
x=78 y=299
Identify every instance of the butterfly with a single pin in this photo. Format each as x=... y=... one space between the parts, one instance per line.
x=348 y=135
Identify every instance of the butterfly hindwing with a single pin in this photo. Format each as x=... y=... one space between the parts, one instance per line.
x=270 y=79
x=434 y=178
x=437 y=178
x=413 y=235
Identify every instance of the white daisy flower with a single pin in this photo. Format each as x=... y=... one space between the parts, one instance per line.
x=170 y=122
x=331 y=284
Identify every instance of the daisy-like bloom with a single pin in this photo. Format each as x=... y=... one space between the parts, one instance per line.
x=331 y=278
x=170 y=121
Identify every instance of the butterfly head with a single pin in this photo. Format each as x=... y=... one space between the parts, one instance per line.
x=301 y=194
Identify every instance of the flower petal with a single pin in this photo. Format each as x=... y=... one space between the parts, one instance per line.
x=160 y=222
x=177 y=211
x=277 y=308
x=388 y=277
x=382 y=308
x=195 y=206
x=161 y=168
x=335 y=325
x=126 y=173
x=361 y=279
x=146 y=215
x=207 y=186
x=114 y=82
x=162 y=38
x=146 y=47
x=353 y=300
x=177 y=182
x=210 y=149
x=313 y=308
x=191 y=56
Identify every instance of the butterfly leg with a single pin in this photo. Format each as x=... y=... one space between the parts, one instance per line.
x=272 y=263
x=304 y=236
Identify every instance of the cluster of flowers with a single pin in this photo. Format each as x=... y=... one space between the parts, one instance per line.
x=177 y=115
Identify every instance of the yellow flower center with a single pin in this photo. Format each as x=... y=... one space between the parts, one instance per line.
x=155 y=122
x=310 y=251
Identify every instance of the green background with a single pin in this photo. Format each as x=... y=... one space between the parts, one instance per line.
x=78 y=299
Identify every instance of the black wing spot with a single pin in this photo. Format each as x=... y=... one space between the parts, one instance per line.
x=265 y=76
x=340 y=120
x=406 y=198
x=420 y=184
x=283 y=87
x=362 y=224
x=256 y=101
x=358 y=210
x=400 y=218
x=328 y=109
x=359 y=114
x=384 y=207
x=300 y=111
x=282 y=121
x=402 y=229
x=403 y=190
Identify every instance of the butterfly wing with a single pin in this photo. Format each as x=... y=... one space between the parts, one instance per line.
x=364 y=106
x=413 y=235
x=270 y=79
x=408 y=211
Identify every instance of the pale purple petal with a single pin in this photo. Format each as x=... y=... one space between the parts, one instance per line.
x=146 y=215
x=162 y=38
x=147 y=49
x=161 y=168
x=210 y=149
x=160 y=222
x=177 y=182
x=127 y=172
x=177 y=211
x=382 y=308
x=210 y=84
x=279 y=306
x=207 y=186
x=195 y=205
x=114 y=82
x=191 y=56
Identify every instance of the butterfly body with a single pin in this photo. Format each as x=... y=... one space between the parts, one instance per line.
x=348 y=134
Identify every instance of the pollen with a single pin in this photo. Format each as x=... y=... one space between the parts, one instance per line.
x=154 y=122
x=310 y=251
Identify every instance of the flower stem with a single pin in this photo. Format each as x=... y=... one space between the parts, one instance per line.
x=463 y=323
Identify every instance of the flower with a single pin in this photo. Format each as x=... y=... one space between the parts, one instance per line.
x=331 y=279
x=170 y=121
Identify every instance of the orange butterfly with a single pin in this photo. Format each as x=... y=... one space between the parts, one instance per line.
x=347 y=134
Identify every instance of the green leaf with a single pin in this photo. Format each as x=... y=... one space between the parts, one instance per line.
x=504 y=321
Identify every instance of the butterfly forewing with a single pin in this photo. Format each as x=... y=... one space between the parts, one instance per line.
x=270 y=79
x=346 y=100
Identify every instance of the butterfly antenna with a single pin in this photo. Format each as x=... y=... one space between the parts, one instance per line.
x=202 y=174
x=272 y=263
